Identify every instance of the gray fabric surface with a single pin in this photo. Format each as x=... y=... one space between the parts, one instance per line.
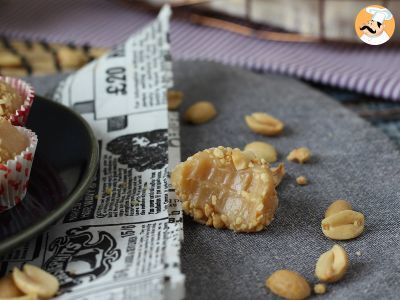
x=352 y=160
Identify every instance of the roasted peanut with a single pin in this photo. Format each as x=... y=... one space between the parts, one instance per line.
x=33 y=280
x=344 y=225
x=263 y=151
x=264 y=124
x=301 y=180
x=337 y=206
x=174 y=99
x=8 y=288
x=300 y=155
x=320 y=288
x=288 y=284
x=241 y=159
x=278 y=173
x=200 y=112
x=332 y=265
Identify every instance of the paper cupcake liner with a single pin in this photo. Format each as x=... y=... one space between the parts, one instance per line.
x=14 y=175
x=27 y=93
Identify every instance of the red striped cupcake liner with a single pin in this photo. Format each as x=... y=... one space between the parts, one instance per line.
x=27 y=93
x=14 y=175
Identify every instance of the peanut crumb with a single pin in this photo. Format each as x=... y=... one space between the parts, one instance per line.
x=300 y=155
x=320 y=288
x=135 y=203
x=123 y=184
x=302 y=180
x=108 y=191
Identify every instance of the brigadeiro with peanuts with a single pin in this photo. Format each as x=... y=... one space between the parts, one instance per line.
x=16 y=98
x=17 y=150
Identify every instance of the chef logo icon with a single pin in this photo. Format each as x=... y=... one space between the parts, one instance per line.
x=374 y=25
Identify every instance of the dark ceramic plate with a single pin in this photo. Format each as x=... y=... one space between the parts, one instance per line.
x=65 y=162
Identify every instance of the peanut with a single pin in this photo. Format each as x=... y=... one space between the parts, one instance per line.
x=241 y=159
x=288 y=284
x=200 y=112
x=174 y=99
x=337 y=206
x=264 y=124
x=263 y=151
x=278 y=173
x=332 y=265
x=8 y=289
x=33 y=280
x=344 y=225
x=320 y=288
x=301 y=180
x=300 y=155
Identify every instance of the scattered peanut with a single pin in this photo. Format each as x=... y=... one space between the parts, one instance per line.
x=300 y=155
x=301 y=180
x=264 y=124
x=320 y=288
x=200 y=112
x=332 y=265
x=278 y=173
x=337 y=206
x=174 y=99
x=344 y=225
x=8 y=288
x=33 y=280
x=226 y=188
x=263 y=151
x=288 y=284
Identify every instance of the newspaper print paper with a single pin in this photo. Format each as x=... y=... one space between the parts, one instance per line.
x=122 y=240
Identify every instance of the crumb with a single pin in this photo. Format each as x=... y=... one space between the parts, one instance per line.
x=299 y=155
x=108 y=191
x=358 y=253
x=123 y=184
x=302 y=180
x=135 y=203
x=320 y=288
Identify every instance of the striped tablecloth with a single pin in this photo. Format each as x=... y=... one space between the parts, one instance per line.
x=372 y=70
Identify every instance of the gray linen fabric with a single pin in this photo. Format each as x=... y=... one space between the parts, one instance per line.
x=352 y=160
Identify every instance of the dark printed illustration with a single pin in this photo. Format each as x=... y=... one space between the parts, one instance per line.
x=81 y=256
x=142 y=151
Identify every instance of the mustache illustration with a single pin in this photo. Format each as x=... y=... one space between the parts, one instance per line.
x=368 y=28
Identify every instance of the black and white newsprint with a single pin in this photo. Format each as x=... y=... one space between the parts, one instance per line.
x=122 y=240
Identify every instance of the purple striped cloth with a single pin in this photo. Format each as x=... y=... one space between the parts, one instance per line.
x=372 y=70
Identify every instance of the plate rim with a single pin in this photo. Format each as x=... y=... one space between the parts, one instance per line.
x=35 y=229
